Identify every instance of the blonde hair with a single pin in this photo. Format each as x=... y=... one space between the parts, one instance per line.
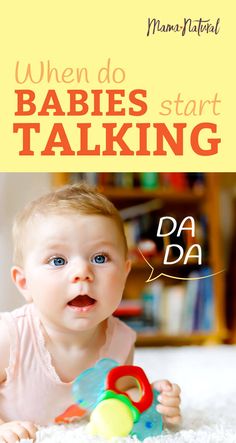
x=79 y=198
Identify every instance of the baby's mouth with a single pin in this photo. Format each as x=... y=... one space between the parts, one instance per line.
x=82 y=301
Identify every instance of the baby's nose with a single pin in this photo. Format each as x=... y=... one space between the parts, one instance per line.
x=81 y=272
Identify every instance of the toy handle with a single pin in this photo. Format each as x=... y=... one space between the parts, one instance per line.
x=136 y=372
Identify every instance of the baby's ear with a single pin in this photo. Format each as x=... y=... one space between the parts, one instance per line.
x=128 y=267
x=18 y=277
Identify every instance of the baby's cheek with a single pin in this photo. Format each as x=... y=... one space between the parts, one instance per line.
x=115 y=291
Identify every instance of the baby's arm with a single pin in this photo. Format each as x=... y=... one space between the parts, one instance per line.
x=12 y=431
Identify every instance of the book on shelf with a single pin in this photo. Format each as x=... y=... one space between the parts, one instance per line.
x=196 y=180
x=175 y=299
x=191 y=294
x=123 y=180
x=92 y=178
x=174 y=180
x=129 y=308
x=149 y=180
x=204 y=312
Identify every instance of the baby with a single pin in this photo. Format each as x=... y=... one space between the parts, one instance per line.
x=70 y=265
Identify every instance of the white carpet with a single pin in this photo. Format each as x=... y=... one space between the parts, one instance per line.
x=207 y=376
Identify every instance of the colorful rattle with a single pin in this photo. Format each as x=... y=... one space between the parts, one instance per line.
x=113 y=412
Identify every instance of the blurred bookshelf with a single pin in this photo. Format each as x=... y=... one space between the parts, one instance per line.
x=168 y=311
x=231 y=282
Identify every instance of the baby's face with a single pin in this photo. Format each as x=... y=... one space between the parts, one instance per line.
x=75 y=269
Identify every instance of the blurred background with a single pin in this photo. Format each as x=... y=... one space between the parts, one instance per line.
x=183 y=307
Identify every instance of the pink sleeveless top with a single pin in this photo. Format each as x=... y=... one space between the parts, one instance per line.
x=33 y=390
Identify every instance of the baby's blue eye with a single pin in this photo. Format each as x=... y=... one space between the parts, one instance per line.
x=99 y=259
x=57 y=261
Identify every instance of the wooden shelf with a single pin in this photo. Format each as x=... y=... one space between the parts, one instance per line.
x=161 y=339
x=168 y=195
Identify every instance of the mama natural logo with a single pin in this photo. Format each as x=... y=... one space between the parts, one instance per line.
x=198 y=27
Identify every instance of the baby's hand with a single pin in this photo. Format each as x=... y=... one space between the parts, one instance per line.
x=169 y=399
x=13 y=431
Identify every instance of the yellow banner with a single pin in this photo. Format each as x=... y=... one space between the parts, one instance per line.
x=117 y=86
